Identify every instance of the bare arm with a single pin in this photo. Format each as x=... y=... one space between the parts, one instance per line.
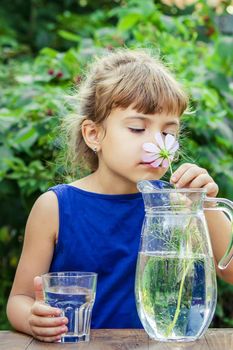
x=220 y=235
x=25 y=309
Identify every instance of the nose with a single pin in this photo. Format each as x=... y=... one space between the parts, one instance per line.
x=150 y=136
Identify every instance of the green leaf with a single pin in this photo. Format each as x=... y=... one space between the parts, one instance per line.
x=6 y=122
x=128 y=21
x=69 y=36
x=70 y=59
x=225 y=47
x=26 y=137
x=5 y=154
x=219 y=81
x=47 y=51
x=4 y=234
x=210 y=97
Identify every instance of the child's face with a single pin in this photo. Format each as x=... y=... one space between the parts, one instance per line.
x=121 y=148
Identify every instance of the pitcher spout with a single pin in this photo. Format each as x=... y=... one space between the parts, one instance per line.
x=150 y=186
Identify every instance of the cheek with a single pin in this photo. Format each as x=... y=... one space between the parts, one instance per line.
x=123 y=147
x=131 y=151
x=123 y=144
x=121 y=156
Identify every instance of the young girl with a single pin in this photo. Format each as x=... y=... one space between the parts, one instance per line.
x=94 y=223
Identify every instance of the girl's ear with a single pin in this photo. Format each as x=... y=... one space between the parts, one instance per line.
x=91 y=134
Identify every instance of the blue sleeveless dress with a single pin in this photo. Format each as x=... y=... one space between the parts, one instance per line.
x=101 y=233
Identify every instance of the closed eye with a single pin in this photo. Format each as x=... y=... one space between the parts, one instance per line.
x=136 y=130
x=168 y=133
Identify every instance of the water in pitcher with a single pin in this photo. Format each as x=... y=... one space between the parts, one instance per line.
x=76 y=304
x=175 y=295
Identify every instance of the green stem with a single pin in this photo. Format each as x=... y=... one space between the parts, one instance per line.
x=185 y=269
x=170 y=167
x=172 y=324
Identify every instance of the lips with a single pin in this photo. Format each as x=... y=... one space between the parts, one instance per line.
x=147 y=163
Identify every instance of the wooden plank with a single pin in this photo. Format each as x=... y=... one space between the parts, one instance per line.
x=120 y=339
x=14 y=340
x=214 y=339
x=103 y=339
x=199 y=344
x=220 y=339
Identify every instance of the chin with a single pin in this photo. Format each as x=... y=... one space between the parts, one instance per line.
x=155 y=175
x=149 y=173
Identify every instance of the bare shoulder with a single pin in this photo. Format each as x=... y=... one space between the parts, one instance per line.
x=45 y=214
x=46 y=201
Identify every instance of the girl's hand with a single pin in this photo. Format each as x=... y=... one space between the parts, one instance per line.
x=44 y=320
x=192 y=176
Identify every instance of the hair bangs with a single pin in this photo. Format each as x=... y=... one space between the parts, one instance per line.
x=149 y=91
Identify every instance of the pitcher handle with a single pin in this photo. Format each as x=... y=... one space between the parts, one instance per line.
x=226 y=259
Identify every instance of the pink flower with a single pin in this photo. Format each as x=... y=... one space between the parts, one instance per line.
x=161 y=153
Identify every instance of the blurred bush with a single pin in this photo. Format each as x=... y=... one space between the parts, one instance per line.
x=44 y=47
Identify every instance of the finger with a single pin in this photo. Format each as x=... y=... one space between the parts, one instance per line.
x=39 y=321
x=41 y=309
x=180 y=171
x=38 y=289
x=48 y=339
x=211 y=189
x=201 y=181
x=189 y=175
x=49 y=332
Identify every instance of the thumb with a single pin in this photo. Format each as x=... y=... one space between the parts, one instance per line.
x=38 y=289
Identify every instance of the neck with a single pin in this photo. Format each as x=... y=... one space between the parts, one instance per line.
x=102 y=182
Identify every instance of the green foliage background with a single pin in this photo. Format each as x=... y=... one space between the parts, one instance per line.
x=44 y=47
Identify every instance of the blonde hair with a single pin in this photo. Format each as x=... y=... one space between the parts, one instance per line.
x=120 y=79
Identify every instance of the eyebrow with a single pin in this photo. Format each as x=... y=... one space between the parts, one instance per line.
x=140 y=117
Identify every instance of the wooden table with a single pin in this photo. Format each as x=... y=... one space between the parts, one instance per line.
x=120 y=339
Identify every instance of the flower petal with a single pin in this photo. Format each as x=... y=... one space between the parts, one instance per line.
x=159 y=140
x=150 y=147
x=175 y=147
x=165 y=163
x=171 y=156
x=157 y=163
x=147 y=158
x=169 y=141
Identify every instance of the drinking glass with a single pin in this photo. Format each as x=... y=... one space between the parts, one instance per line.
x=73 y=293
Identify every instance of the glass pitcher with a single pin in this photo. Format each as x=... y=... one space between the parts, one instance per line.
x=175 y=285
